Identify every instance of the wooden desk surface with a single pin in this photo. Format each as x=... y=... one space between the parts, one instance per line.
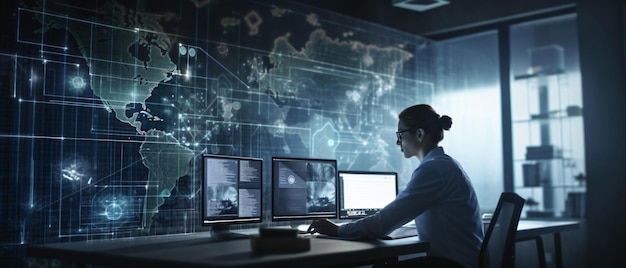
x=197 y=250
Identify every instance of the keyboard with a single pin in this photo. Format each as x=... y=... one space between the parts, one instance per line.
x=318 y=235
x=407 y=230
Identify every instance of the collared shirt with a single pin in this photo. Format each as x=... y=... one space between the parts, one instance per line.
x=441 y=200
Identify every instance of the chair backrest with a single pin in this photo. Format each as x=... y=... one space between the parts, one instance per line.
x=498 y=248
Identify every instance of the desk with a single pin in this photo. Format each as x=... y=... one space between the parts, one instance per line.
x=195 y=250
x=533 y=229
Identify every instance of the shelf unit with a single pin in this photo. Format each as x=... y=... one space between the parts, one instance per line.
x=548 y=145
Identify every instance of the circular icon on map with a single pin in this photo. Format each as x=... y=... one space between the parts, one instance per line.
x=182 y=50
x=291 y=179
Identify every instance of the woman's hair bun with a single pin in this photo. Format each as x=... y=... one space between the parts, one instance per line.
x=446 y=122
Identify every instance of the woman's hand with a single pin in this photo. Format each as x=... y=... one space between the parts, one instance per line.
x=323 y=227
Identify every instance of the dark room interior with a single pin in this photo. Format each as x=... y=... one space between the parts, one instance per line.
x=114 y=109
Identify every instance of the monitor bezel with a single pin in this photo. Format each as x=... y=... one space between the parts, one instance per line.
x=225 y=222
x=295 y=218
x=341 y=188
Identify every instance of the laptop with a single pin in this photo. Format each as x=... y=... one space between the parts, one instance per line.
x=363 y=193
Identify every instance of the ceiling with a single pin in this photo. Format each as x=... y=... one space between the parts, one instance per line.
x=457 y=15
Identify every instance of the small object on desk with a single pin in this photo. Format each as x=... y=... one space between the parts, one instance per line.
x=279 y=244
x=279 y=240
x=539 y=214
x=267 y=232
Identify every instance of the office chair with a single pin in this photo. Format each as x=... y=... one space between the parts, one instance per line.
x=498 y=248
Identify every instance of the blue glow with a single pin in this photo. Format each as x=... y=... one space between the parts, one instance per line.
x=113 y=212
x=166 y=193
x=78 y=82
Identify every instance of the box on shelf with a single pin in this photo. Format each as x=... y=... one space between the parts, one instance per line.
x=542 y=152
x=575 y=205
x=532 y=174
x=547 y=59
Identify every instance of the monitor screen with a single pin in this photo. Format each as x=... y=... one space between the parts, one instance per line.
x=363 y=193
x=303 y=188
x=232 y=190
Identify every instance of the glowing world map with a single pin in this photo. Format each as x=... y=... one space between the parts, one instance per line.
x=116 y=103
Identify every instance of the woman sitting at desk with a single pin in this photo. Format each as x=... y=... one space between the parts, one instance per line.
x=439 y=198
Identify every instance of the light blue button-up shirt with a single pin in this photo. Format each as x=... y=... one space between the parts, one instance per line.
x=441 y=200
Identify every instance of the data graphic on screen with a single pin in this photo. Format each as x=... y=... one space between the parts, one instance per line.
x=363 y=193
x=304 y=188
x=232 y=190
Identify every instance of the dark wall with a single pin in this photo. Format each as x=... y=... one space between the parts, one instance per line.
x=601 y=39
x=458 y=15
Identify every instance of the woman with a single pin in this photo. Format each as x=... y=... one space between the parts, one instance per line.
x=439 y=198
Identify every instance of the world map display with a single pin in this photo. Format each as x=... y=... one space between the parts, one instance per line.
x=114 y=103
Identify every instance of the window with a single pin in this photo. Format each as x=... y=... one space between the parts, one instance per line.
x=468 y=90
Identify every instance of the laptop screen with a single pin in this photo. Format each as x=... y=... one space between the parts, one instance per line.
x=363 y=193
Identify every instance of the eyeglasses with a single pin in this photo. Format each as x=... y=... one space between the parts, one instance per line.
x=399 y=135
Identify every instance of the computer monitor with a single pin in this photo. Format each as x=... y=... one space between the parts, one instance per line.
x=231 y=192
x=363 y=193
x=303 y=189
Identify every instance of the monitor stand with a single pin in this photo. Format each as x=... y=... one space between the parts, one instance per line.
x=223 y=232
